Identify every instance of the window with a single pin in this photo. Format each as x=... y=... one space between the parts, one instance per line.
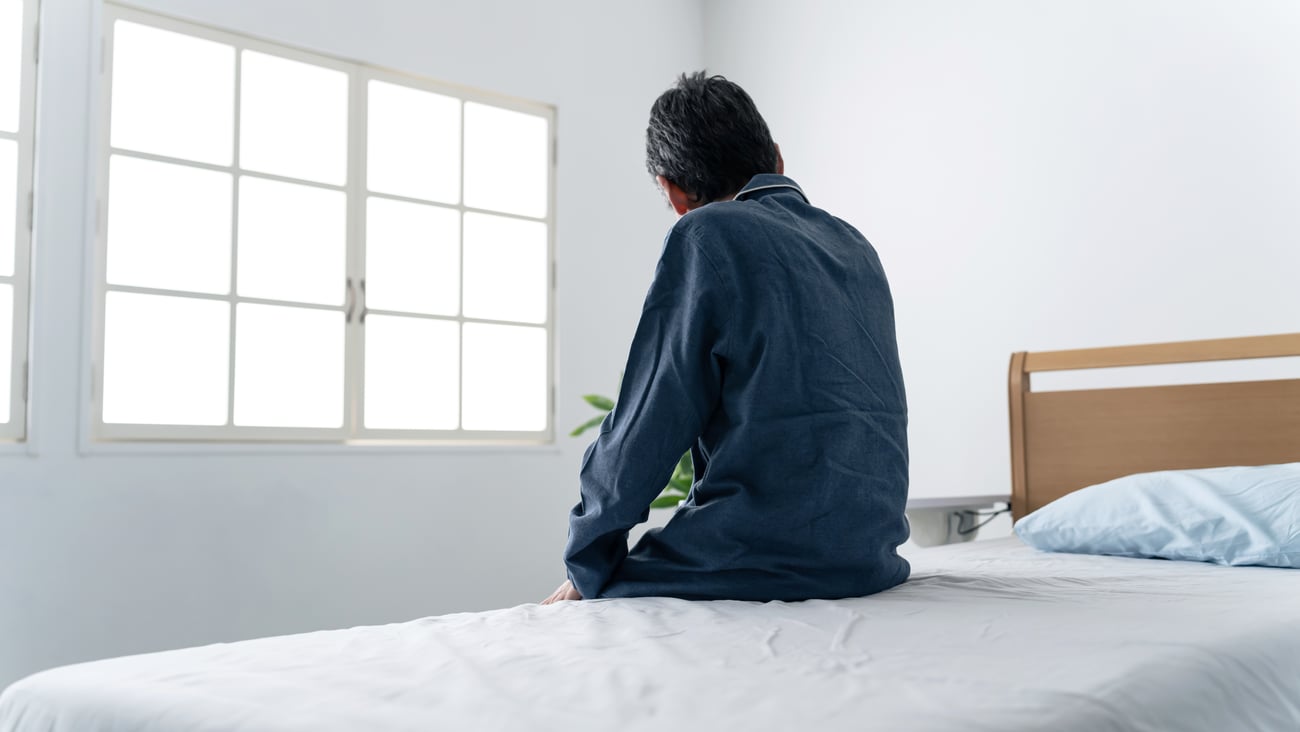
x=292 y=247
x=17 y=110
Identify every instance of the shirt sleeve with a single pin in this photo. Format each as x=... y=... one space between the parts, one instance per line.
x=671 y=386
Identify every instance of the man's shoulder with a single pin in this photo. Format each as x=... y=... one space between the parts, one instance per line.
x=723 y=221
x=716 y=216
x=749 y=222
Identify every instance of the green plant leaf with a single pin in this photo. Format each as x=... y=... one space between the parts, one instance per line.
x=593 y=422
x=684 y=464
x=599 y=402
x=667 y=500
x=680 y=483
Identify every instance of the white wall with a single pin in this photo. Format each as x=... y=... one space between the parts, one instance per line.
x=106 y=554
x=1038 y=175
x=1035 y=175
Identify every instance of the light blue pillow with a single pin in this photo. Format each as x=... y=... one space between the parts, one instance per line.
x=1236 y=516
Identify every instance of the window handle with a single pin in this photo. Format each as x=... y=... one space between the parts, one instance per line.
x=351 y=303
x=364 y=309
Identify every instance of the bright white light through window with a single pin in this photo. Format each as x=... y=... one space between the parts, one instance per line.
x=165 y=360
x=413 y=143
x=173 y=94
x=17 y=79
x=288 y=367
x=505 y=268
x=412 y=366
x=6 y=343
x=412 y=257
x=506 y=155
x=292 y=241
x=11 y=62
x=504 y=378
x=8 y=204
x=293 y=119
x=168 y=226
x=296 y=247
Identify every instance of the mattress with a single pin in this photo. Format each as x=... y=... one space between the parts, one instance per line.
x=985 y=636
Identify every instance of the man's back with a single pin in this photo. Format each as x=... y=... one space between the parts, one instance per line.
x=783 y=315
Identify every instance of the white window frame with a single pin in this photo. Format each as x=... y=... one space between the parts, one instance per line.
x=353 y=430
x=15 y=430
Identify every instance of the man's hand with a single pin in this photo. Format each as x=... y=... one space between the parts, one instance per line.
x=566 y=592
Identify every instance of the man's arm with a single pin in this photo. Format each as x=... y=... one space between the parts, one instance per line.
x=670 y=388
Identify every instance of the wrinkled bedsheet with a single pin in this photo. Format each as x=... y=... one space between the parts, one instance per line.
x=985 y=636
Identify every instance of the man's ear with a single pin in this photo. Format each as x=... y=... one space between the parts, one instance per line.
x=680 y=200
x=780 y=163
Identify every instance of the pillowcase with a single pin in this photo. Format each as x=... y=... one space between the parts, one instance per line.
x=1234 y=516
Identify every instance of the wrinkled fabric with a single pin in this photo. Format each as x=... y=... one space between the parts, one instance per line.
x=989 y=636
x=766 y=346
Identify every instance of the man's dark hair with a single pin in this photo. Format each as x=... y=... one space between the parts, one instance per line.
x=707 y=137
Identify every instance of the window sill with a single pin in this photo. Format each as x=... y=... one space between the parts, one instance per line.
x=14 y=448
x=162 y=448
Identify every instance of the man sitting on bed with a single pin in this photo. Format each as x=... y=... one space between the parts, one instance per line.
x=766 y=346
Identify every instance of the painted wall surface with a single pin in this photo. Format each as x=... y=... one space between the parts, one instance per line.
x=117 y=551
x=1035 y=176
x=1038 y=175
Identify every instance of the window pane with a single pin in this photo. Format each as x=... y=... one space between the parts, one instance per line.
x=411 y=373
x=165 y=360
x=11 y=62
x=293 y=119
x=288 y=367
x=505 y=268
x=506 y=156
x=168 y=226
x=172 y=94
x=504 y=378
x=6 y=348
x=412 y=257
x=292 y=241
x=413 y=143
x=8 y=204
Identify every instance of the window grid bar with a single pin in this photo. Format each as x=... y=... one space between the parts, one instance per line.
x=458 y=206
x=354 y=349
x=232 y=169
x=460 y=290
x=230 y=298
x=353 y=430
x=453 y=318
x=234 y=240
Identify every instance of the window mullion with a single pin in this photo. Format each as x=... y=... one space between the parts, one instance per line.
x=234 y=244
x=354 y=338
x=460 y=264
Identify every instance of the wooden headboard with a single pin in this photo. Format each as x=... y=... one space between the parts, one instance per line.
x=1062 y=441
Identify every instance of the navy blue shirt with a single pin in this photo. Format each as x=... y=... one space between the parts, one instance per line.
x=766 y=346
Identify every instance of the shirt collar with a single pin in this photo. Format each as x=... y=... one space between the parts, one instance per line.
x=767 y=183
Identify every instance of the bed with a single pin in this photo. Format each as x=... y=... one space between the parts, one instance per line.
x=990 y=635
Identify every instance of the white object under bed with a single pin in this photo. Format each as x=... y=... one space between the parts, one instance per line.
x=985 y=636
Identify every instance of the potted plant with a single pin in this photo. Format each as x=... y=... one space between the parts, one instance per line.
x=683 y=475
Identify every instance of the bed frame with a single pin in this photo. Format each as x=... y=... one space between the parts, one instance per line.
x=1065 y=440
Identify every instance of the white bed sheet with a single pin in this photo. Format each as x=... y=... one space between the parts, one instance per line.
x=986 y=636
